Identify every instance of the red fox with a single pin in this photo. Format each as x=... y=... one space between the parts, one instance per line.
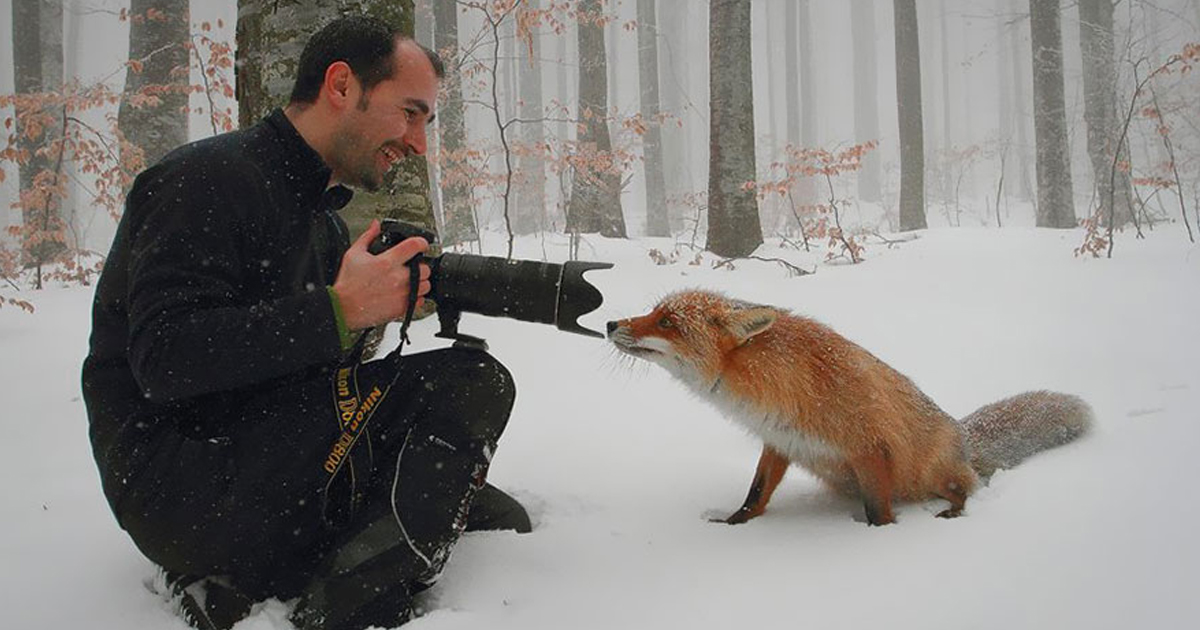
x=819 y=400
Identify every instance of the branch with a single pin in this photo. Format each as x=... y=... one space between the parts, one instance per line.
x=893 y=242
x=212 y=111
x=793 y=270
x=99 y=136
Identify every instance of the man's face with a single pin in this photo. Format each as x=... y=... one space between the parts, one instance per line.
x=388 y=122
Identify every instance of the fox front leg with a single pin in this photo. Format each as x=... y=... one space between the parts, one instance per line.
x=771 y=467
x=874 y=474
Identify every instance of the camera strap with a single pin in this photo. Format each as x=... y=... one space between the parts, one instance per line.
x=353 y=409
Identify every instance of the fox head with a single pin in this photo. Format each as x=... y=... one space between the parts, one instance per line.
x=689 y=333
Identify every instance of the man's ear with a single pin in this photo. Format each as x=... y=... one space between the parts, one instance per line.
x=745 y=323
x=340 y=83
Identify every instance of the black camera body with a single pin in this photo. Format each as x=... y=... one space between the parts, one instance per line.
x=526 y=290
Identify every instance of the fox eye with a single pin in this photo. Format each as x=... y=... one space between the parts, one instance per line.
x=665 y=322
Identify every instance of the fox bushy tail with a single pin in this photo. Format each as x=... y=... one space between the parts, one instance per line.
x=1005 y=433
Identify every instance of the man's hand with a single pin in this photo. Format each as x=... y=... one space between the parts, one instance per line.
x=374 y=290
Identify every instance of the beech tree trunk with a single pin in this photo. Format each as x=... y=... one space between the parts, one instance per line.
x=458 y=220
x=866 y=98
x=1111 y=186
x=656 y=197
x=1021 y=100
x=596 y=189
x=1056 y=206
x=159 y=44
x=38 y=68
x=531 y=190
x=673 y=74
x=734 y=229
x=908 y=103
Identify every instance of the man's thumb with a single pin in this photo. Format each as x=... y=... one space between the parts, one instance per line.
x=369 y=235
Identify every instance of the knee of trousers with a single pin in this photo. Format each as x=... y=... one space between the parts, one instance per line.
x=483 y=392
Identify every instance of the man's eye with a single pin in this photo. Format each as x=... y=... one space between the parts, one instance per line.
x=410 y=114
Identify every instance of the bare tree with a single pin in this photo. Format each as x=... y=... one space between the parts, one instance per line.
x=656 y=197
x=808 y=84
x=158 y=43
x=1021 y=99
x=38 y=68
x=734 y=229
x=791 y=72
x=1099 y=101
x=908 y=103
x=674 y=27
x=595 y=192
x=531 y=191
x=944 y=58
x=866 y=99
x=1056 y=207
x=458 y=221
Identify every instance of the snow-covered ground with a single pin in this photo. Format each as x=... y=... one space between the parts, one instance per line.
x=620 y=467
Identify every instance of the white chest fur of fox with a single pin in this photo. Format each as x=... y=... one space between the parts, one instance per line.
x=820 y=401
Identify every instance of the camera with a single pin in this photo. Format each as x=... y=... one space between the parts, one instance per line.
x=525 y=290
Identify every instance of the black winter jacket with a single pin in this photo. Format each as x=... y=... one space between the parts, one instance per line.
x=215 y=288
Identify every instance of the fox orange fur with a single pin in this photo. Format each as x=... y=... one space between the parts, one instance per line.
x=819 y=400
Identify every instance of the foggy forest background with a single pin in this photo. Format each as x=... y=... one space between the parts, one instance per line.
x=830 y=125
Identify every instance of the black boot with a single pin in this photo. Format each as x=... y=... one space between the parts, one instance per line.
x=205 y=603
x=495 y=510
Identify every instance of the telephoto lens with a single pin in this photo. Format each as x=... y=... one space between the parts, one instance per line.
x=526 y=290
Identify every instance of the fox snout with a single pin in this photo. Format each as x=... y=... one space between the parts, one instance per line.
x=611 y=326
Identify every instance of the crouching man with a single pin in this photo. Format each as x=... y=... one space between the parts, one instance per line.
x=224 y=314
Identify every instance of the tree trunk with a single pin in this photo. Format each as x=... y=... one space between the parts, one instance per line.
x=458 y=220
x=1004 y=109
x=531 y=191
x=908 y=105
x=612 y=50
x=677 y=151
x=791 y=74
x=866 y=99
x=27 y=79
x=423 y=27
x=38 y=68
x=734 y=229
x=1020 y=100
x=160 y=45
x=270 y=37
x=1056 y=207
x=596 y=186
x=1099 y=103
x=808 y=89
x=656 y=197
x=947 y=125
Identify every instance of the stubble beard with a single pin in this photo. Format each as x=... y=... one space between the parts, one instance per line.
x=357 y=158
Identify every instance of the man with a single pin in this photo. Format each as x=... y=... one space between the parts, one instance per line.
x=215 y=384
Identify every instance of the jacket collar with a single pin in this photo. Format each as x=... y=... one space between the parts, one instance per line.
x=304 y=166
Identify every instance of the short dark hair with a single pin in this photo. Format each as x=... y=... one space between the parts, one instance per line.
x=365 y=43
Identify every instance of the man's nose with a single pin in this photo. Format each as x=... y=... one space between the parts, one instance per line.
x=416 y=140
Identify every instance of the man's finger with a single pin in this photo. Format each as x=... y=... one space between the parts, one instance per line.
x=367 y=236
x=406 y=249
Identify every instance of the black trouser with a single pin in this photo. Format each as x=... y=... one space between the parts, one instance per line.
x=257 y=505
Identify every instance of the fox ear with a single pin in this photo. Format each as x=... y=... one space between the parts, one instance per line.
x=748 y=322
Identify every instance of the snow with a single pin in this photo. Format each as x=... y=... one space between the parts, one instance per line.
x=620 y=467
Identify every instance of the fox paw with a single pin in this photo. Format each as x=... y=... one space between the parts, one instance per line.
x=737 y=518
